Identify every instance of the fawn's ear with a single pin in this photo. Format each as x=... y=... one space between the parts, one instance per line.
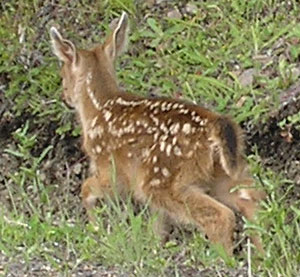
x=116 y=43
x=64 y=49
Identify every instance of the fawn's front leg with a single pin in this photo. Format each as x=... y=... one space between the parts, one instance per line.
x=162 y=225
x=93 y=188
x=89 y=196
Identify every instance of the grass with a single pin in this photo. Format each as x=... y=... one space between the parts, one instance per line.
x=198 y=57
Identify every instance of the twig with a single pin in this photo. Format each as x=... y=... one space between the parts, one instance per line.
x=82 y=159
x=15 y=222
x=219 y=274
x=261 y=180
x=249 y=258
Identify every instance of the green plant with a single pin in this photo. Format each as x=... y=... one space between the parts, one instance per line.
x=29 y=169
x=199 y=58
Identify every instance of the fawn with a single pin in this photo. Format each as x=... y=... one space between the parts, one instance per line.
x=182 y=158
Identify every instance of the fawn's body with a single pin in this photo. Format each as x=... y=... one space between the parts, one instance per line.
x=182 y=158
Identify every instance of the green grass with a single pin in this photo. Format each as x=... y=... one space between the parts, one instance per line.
x=198 y=57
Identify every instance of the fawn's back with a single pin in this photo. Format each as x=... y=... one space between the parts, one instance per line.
x=164 y=140
x=179 y=155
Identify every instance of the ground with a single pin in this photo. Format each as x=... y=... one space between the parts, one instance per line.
x=236 y=58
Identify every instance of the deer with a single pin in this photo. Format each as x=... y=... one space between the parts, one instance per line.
x=182 y=159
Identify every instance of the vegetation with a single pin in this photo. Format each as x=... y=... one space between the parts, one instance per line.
x=236 y=57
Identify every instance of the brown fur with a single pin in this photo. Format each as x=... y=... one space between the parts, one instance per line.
x=183 y=158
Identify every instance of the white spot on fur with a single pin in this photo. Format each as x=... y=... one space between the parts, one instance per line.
x=93 y=122
x=197 y=119
x=150 y=130
x=154 y=159
x=175 y=106
x=107 y=115
x=243 y=194
x=177 y=151
x=97 y=131
x=145 y=152
x=154 y=119
x=174 y=128
x=168 y=149
x=131 y=140
x=89 y=78
x=189 y=154
x=153 y=147
x=183 y=111
x=165 y=172
x=129 y=103
x=154 y=105
x=92 y=97
x=163 y=138
x=162 y=146
x=203 y=122
x=186 y=128
x=164 y=128
x=155 y=169
x=165 y=106
x=98 y=149
x=155 y=182
x=169 y=121
x=155 y=136
x=156 y=111
x=92 y=134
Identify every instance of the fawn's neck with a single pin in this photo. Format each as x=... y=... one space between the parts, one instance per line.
x=96 y=89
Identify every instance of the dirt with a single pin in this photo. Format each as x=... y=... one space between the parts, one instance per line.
x=279 y=147
x=66 y=166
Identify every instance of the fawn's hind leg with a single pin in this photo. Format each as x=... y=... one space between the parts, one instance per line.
x=245 y=202
x=248 y=208
x=209 y=215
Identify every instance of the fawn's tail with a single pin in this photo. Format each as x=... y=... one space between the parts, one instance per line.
x=226 y=136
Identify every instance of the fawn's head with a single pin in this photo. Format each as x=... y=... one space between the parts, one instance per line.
x=78 y=63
